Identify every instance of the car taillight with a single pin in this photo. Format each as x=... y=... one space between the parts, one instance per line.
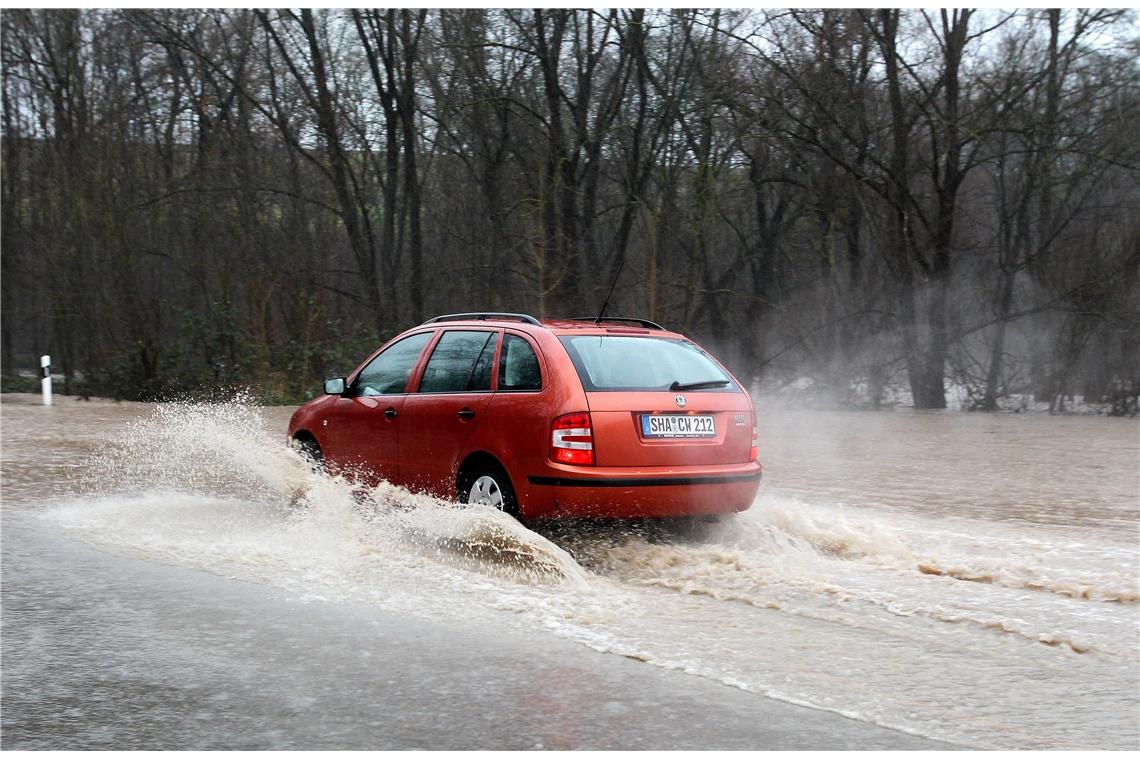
x=572 y=439
x=754 y=452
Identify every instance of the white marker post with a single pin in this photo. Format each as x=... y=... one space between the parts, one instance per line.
x=45 y=379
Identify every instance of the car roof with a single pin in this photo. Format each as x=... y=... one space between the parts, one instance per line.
x=557 y=325
x=603 y=327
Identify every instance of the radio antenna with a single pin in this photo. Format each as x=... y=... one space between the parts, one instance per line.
x=606 y=303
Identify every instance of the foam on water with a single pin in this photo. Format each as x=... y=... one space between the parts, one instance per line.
x=210 y=471
x=880 y=614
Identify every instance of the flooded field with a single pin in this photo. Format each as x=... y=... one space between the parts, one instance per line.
x=968 y=578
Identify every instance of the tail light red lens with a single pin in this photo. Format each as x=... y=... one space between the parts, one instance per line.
x=754 y=452
x=572 y=439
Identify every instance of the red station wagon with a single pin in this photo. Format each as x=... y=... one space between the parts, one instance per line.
x=614 y=418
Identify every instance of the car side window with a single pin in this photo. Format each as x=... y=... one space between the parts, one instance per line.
x=461 y=361
x=481 y=376
x=518 y=366
x=389 y=372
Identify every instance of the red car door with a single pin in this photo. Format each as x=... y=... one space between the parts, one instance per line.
x=449 y=403
x=362 y=427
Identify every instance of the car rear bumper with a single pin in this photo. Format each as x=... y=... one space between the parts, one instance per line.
x=561 y=491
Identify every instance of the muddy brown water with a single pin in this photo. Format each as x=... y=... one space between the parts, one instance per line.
x=971 y=578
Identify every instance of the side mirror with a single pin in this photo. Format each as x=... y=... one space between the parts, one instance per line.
x=335 y=386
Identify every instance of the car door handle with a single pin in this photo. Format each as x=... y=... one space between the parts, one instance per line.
x=390 y=412
x=466 y=414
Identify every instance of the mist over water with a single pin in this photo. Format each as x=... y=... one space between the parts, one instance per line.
x=963 y=577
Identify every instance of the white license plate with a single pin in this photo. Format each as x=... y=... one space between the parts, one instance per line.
x=677 y=426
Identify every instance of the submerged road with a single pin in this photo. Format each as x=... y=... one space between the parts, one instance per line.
x=173 y=577
x=102 y=651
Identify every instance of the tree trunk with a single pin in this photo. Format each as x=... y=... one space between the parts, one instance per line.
x=412 y=197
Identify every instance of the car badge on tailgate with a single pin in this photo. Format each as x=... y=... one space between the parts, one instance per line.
x=680 y=400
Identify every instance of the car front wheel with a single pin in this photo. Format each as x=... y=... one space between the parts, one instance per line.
x=311 y=452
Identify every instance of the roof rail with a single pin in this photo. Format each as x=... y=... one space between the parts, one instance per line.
x=634 y=320
x=485 y=315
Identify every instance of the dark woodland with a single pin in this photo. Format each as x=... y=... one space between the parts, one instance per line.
x=856 y=200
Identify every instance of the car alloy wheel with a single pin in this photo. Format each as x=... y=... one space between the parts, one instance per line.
x=485 y=490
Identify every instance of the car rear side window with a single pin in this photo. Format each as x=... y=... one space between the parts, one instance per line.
x=461 y=361
x=518 y=366
x=634 y=363
x=388 y=372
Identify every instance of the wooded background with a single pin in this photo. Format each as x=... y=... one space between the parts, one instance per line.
x=199 y=199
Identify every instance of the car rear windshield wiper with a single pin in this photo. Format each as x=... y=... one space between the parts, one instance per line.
x=677 y=386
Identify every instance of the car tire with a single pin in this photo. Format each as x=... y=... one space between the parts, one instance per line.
x=488 y=484
x=311 y=452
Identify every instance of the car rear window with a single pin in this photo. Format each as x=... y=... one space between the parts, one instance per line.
x=635 y=363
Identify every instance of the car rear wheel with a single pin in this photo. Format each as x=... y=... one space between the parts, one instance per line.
x=489 y=486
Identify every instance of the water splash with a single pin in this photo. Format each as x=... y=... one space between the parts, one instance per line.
x=211 y=470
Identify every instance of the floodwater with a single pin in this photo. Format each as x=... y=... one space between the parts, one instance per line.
x=968 y=578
